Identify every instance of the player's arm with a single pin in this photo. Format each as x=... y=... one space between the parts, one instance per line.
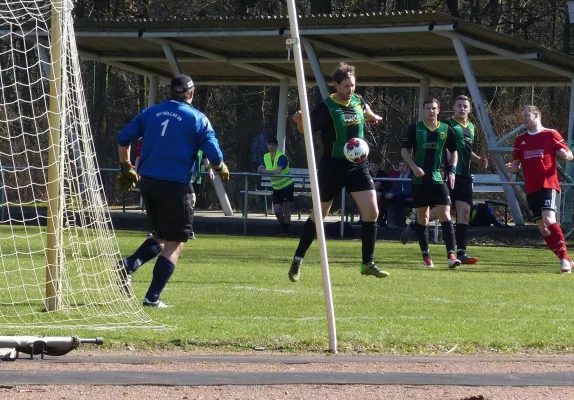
x=514 y=165
x=453 y=157
x=370 y=115
x=475 y=158
x=210 y=146
x=131 y=132
x=409 y=142
x=319 y=115
x=562 y=150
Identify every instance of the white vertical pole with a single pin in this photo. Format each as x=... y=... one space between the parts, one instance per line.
x=569 y=193
x=316 y=67
x=423 y=95
x=282 y=113
x=296 y=45
x=484 y=118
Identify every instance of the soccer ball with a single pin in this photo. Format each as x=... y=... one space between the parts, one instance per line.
x=356 y=150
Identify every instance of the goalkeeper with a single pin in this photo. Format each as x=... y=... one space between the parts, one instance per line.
x=173 y=133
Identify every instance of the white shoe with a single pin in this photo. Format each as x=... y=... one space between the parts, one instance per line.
x=453 y=262
x=565 y=266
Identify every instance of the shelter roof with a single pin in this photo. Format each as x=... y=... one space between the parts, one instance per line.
x=388 y=49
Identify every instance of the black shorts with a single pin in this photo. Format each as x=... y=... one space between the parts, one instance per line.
x=285 y=194
x=544 y=199
x=335 y=175
x=168 y=208
x=462 y=190
x=430 y=195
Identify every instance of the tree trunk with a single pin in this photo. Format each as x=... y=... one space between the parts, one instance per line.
x=453 y=7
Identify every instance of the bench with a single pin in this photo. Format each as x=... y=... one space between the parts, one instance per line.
x=300 y=178
x=486 y=183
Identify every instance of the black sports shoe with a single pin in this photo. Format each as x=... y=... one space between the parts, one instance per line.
x=295 y=270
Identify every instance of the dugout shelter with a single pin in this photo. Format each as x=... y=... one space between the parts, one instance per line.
x=405 y=49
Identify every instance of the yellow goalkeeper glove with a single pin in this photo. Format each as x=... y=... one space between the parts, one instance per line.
x=127 y=178
x=222 y=171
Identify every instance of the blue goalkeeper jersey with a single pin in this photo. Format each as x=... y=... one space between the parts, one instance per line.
x=173 y=132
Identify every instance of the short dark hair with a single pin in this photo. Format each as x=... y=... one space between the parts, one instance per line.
x=430 y=101
x=272 y=140
x=342 y=72
x=462 y=97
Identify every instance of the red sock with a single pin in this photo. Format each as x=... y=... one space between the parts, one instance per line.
x=558 y=241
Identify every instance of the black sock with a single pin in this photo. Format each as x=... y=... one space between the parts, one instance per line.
x=423 y=234
x=286 y=227
x=413 y=224
x=147 y=251
x=309 y=231
x=461 y=233
x=368 y=239
x=448 y=236
x=162 y=271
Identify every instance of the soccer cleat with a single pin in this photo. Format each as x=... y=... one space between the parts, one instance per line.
x=372 y=269
x=192 y=236
x=427 y=262
x=406 y=234
x=295 y=270
x=466 y=259
x=453 y=262
x=124 y=278
x=155 y=304
x=565 y=266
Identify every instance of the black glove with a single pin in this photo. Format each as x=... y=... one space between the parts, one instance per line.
x=127 y=178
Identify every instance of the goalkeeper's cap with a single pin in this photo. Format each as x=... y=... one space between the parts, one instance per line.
x=181 y=83
x=272 y=140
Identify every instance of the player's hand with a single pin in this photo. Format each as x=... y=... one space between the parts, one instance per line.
x=563 y=154
x=298 y=117
x=451 y=179
x=222 y=171
x=375 y=119
x=127 y=178
x=418 y=172
x=484 y=162
x=260 y=169
x=211 y=174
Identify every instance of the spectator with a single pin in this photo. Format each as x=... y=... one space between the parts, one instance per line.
x=483 y=215
x=398 y=197
x=381 y=187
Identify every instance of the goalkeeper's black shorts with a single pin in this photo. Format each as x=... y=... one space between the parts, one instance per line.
x=168 y=208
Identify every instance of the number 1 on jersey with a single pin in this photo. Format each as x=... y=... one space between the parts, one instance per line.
x=164 y=124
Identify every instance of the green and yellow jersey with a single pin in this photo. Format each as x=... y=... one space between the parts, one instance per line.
x=464 y=135
x=428 y=149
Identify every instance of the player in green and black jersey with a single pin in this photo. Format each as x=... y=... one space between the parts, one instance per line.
x=338 y=118
x=461 y=195
x=427 y=140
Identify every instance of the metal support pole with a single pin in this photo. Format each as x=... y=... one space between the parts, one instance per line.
x=484 y=118
x=282 y=113
x=316 y=67
x=317 y=212
x=245 y=204
x=171 y=58
x=152 y=91
x=343 y=206
x=423 y=95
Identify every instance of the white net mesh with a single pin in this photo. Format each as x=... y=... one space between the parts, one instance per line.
x=49 y=178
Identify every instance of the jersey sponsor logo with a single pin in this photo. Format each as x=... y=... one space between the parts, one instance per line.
x=537 y=153
x=168 y=114
x=352 y=120
x=431 y=145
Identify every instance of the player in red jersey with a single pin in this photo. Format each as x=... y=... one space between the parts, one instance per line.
x=536 y=151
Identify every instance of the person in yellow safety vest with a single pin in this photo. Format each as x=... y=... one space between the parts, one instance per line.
x=277 y=165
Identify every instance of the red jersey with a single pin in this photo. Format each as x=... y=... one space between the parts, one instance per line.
x=537 y=154
x=139 y=147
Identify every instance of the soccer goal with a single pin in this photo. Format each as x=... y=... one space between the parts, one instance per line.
x=58 y=250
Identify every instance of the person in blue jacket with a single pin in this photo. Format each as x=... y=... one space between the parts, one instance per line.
x=397 y=197
x=173 y=132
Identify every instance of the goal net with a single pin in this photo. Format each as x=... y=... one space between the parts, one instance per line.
x=58 y=250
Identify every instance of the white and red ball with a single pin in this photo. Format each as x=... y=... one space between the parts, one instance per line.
x=356 y=150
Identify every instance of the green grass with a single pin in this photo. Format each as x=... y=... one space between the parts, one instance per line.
x=232 y=292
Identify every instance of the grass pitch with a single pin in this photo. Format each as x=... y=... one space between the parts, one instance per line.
x=232 y=293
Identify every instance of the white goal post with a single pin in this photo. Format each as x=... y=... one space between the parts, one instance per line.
x=58 y=249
